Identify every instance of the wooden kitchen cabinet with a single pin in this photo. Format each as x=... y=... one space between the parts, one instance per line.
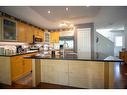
x=16 y=67
x=123 y=56
x=25 y=33
x=54 y=37
x=41 y=34
x=54 y=72
x=21 y=32
x=27 y=64
x=36 y=33
x=20 y=66
x=29 y=34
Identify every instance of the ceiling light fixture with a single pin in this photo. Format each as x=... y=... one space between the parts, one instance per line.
x=66 y=24
x=67 y=9
x=49 y=11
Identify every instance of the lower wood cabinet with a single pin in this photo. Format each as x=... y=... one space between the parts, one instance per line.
x=27 y=65
x=16 y=67
x=123 y=56
x=20 y=66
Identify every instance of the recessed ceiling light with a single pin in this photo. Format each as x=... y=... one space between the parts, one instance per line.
x=49 y=11
x=67 y=9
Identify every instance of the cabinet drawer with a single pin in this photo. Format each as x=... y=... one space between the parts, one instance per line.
x=16 y=59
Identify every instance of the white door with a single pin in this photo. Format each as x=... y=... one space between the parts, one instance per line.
x=84 y=43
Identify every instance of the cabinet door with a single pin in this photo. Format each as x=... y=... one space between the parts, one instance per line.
x=54 y=37
x=36 y=32
x=16 y=67
x=57 y=35
x=29 y=34
x=21 y=33
x=42 y=35
x=86 y=74
x=9 y=30
x=55 y=71
x=97 y=74
x=27 y=66
x=79 y=74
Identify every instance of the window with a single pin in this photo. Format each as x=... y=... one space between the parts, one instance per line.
x=118 y=41
x=69 y=42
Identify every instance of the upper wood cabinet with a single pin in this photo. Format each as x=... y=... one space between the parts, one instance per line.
x=8 y=29
x=54 y=37
x=25 y=32
x=41 y=34
x=21 y=30
x=36 y=32
x=29 y=34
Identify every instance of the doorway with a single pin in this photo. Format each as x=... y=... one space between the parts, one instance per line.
x=84 y=43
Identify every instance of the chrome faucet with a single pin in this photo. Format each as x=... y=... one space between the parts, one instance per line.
x=65 y=46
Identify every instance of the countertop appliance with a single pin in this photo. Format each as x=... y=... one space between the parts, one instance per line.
x=37 y=39
x=19 y=49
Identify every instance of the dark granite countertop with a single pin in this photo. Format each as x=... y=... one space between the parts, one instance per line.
x=18 y=54
x=70 y=58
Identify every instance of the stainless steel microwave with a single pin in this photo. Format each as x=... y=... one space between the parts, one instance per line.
x=37 y=39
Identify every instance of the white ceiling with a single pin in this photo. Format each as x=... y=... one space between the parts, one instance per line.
x=59 y=13
x=38 y=15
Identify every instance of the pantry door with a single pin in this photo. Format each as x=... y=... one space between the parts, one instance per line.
x=84 y=43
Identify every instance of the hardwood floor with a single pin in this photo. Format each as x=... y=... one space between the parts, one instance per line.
x=26 y=83
x=54 y=86
x=120 y=75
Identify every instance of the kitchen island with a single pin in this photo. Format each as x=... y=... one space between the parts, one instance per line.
x=72 y=71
